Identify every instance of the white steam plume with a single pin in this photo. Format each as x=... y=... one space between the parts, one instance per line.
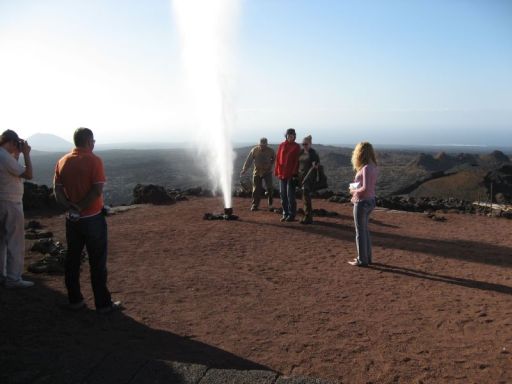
x=206 y=29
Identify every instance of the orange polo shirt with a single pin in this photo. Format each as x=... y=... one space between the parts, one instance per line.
x=77 y=172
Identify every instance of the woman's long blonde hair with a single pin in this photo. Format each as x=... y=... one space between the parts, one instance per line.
x=363 y=154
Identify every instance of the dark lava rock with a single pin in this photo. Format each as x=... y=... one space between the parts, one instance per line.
x=47 y=245
x=33 y=234
x=33 y=224
x=219 y=216
x=40 y=198
x=151 y=194
x=501 y=181
x=196 y=191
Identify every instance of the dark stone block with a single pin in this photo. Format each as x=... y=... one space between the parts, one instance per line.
x=166 y=372
x=232 y=376
x=303 y=380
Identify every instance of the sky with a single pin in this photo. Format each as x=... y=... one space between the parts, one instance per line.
x=391 y=72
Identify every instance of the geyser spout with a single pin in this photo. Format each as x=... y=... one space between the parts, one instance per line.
x=207 y=32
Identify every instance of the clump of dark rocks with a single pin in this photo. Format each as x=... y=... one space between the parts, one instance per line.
x=429 y=204
x=151 y=194
x=219 y=216
x=500 y=181
x=34 y=230
x=158 y=195
x=40 y=198
x=52 y=251
x=435 y=217
x=425 y=204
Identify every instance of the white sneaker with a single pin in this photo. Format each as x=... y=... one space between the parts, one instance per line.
x=18 y=284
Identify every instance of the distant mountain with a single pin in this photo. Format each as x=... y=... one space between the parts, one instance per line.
x=49 y=143
x=495 y=158
x=443 y=161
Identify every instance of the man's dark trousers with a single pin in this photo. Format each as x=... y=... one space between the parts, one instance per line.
x=90 y=232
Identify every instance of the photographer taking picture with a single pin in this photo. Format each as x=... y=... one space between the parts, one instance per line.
x=12 y=219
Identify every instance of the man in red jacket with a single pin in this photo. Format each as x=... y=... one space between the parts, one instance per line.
x=286 y=169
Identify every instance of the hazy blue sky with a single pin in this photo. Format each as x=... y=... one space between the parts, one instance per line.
x=392 y=72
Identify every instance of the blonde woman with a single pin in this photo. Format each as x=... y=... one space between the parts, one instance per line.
x=363 y=197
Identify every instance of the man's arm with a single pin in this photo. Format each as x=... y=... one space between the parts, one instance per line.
x=61 y=197
x=95 y=192
x=247 y=161
x=28 y=174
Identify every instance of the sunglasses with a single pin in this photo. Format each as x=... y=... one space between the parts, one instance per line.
x=305 y=144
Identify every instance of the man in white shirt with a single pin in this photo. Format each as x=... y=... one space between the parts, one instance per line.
x=12 y=220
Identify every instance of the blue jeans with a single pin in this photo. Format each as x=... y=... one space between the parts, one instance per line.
x=90 y=232
x=288 y=202
x=362 y=210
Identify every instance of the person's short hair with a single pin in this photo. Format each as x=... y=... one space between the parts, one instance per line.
x=81 y=136
x=290 y=131
x=8 y=135
x=263 y=141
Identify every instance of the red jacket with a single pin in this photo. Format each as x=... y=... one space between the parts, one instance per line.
x=287 y=160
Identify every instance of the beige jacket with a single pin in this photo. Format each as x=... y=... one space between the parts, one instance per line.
x=263 y=158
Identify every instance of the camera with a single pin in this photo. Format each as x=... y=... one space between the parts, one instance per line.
x=20 y=144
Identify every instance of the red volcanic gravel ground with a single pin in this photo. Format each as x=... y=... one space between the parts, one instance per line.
x=255 y=293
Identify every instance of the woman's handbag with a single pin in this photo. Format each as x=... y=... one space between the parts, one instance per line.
x=320 y=181
x=315 y=179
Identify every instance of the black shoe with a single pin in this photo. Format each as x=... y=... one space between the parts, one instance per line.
x=306 y=221
x=284 y=218
x=74 y=306
x=254 y=208
x=290 y=218
x=115 y=306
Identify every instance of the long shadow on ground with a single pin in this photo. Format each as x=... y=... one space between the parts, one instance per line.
x=482 y=285
x=465 y=250
x=43 y=343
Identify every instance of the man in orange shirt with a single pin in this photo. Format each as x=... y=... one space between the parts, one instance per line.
x=78 y=184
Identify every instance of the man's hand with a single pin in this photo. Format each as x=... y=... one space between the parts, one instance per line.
x=73 y=206
x=26 y=148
